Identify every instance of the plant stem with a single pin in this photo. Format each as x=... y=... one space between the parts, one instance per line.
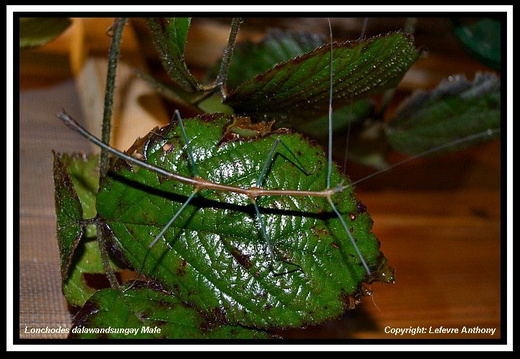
x=228 y=53
x=113 y=57
x=105 y=256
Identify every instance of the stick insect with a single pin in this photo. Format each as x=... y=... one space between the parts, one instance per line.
x=287 y=269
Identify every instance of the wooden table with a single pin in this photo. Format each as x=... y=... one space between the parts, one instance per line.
x=439 y=220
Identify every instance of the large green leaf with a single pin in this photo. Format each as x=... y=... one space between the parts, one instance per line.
x=297 y=90
x=457 y=108
x=169 y=36
x=40 y=31
x=214 y=256
x=147 y=312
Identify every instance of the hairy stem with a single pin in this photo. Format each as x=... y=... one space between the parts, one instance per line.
x=113 y=56
x=228 y=53
x=105 y=256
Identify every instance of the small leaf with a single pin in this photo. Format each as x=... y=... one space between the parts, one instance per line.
x=76 y=185
x=298 y=90
x=69 y=214
x=169 y=37
x=454 y=110
x=40 y=31
x=84 y=173
x=482 y=39
x=145 y=312
x=214 y=255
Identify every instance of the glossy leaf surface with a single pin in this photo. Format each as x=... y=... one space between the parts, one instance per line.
x=145 y=312
x=214 y=255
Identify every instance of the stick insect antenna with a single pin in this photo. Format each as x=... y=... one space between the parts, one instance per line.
x=489 y=132
x=347 y=142
x=329 y=169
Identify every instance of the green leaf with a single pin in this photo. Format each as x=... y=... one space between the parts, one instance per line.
x=214 y=256
x=251 y=59
x=87 y=260
x=84 y=173
x=297 y=90
x=76 y=179
x=457 y=108
x=69 y=213
x=146 y=312
x=40 y=31
x=169 y=37
x=482 y=39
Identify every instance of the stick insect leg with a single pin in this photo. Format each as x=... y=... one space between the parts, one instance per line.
x=170 y=222
x=195 y=173
x=189 y=150
x=352 y=240
x=264 y=230
x=270 y=157
x=259 y=181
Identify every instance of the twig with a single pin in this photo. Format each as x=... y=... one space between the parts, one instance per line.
x=113 y=56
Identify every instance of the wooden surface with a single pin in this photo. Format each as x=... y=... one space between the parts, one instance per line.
x=438 y=220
